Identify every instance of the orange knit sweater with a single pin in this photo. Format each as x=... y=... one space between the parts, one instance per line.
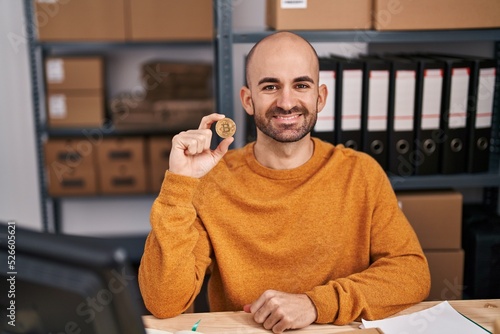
x=330 y=228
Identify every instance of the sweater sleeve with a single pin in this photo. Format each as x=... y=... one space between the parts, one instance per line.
x=177 y=251
x=398 y=275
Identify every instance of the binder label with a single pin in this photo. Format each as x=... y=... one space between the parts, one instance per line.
x=457 y=117
x=431 y=99
x=378 y=100
x=293 y=4
x=404 y=103
x=485 y=95
x=351 y=99
x=326 y=118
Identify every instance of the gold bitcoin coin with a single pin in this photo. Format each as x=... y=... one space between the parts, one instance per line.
x=225 y=127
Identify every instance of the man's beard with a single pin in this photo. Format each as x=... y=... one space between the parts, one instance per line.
x=286 y=133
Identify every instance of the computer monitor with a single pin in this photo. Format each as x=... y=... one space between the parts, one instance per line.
x=65 y=284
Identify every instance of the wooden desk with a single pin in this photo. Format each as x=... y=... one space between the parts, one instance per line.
x=483 y=312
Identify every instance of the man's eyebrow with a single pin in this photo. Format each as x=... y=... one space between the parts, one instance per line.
x=268 y=79
x=304 y=78
x=276 y=80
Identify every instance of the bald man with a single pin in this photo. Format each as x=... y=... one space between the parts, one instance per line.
x=291 y=229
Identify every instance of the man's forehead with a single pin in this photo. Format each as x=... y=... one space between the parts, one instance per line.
x=284 y=56
x=283 y=68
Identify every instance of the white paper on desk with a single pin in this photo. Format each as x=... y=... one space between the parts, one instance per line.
x=156 y=331
x=159 y=331
x=439 y=319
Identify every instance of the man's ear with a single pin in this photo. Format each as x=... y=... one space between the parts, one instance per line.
x=322 y=95
x=246 y=100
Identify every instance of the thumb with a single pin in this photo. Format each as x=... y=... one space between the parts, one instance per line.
x=246 y=308
x=222 y=148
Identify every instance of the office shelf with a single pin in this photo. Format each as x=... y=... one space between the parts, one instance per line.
x=374 y=36
x=55 y=48
x=445 y=181
x=103 y=132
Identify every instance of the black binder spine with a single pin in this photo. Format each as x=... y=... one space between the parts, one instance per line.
x=427 y=115
x=454 y=115
x=401 y=116
x=375 y=107
x=480 y=109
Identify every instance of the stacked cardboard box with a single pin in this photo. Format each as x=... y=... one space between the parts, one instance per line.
x=89 y=20
x=173 y=20
x=177 y=96
x=177 y=81
x=122 y=165
x=382 y=14
x=436 y=217
x=432 y=14
x=121 y=20
x=319 y=14
x=75 y=91
x=71 y=167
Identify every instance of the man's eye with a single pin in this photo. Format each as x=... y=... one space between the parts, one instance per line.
x=270 y=87
x=302 y=86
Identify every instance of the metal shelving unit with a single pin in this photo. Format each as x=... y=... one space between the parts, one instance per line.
x=51 y=207
x=226 y=37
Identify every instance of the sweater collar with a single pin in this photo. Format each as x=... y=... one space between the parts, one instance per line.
x=310 y=167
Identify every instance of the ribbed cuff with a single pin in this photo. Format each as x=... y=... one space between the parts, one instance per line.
x=326 y=305
x=178 y=189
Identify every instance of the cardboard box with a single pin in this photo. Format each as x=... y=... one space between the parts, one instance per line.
x=71 y=167
x=169 y=115
x=122 y=178
x=177 y=81
x=172 y=20
x=122 y=165
x=89 y=20
x=67 y=109
x=159 y=152
x=436 y=217
x=319 y=14
x=122 y=150
x=180 y=115
x=447 y=270
x=432 y=14
x=62 y=73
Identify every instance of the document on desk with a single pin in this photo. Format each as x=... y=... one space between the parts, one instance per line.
x=439 y=319
x=158 y=331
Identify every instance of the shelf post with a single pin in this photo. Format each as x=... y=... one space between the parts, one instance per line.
x=223 y=56
x=34 y=51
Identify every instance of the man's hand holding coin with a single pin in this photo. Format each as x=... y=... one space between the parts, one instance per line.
x=191 y=154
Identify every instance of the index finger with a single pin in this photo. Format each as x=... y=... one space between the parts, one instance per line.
x=207 y=121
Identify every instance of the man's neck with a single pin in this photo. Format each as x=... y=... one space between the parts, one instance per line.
x=276 y=155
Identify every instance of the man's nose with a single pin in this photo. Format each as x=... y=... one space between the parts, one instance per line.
x=286 y=99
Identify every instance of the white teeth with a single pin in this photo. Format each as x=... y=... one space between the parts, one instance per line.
x=287 y=117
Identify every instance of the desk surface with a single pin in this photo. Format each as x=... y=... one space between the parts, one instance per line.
x=483 y=312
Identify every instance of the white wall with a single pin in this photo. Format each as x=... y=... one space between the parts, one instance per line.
x=19 y=192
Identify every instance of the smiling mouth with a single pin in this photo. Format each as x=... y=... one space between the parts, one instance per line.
x=288 y=117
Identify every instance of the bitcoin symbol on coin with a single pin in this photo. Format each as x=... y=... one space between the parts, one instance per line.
x=225 y=127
